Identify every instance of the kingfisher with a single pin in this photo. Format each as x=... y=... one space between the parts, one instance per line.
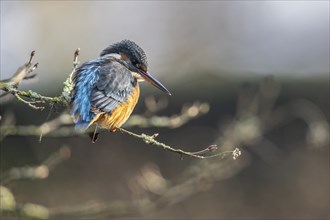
x=106 y=89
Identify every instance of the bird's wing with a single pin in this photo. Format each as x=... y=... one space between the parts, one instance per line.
x=114 y=85
x=84 y=80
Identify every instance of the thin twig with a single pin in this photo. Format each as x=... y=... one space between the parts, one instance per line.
x=210 y=148
x=188 y=112
x=31 y=104
x=31 y=56
x=21 y=73
x=150 y=139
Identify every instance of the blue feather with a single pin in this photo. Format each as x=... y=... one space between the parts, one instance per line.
x=84 y=80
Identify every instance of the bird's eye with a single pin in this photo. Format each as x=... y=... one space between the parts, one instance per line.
x=140 y=66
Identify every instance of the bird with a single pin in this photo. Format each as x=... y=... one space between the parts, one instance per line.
x=106 y=89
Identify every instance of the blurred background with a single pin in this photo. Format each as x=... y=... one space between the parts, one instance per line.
x=262 y=67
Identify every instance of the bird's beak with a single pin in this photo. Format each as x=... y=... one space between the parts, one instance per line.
x=150 y=79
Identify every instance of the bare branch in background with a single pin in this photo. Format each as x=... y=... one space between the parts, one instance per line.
x=188 y=112
x=151 y=182
x=36 y=172
x=206 y=172
x=9 y=207
x=61 y=126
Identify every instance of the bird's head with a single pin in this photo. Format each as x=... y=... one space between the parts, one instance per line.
x=134 y=58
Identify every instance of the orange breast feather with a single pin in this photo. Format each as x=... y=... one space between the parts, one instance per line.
x=116 y=118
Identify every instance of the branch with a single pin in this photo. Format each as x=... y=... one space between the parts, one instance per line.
x=9 y=207
x=150 y=139
x=188 y=112
x=23 y=73
x=36 y=172
x=51 y=128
